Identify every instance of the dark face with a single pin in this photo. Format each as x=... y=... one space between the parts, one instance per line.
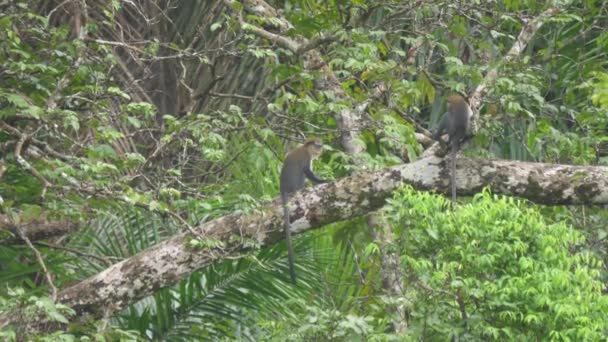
x=315 y=147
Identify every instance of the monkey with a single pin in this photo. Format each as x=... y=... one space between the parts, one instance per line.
x=455 y=122
x=296 y=168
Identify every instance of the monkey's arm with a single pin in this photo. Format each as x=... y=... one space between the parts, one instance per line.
x=311 y=175
x=442 y=127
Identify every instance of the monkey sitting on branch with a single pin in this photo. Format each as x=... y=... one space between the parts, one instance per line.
x=296 y=168
x=455 y=122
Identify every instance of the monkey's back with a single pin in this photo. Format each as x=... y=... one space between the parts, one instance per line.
x=292 y=175
x=459 y=121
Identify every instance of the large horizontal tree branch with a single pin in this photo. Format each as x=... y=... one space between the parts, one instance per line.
x=170 y=261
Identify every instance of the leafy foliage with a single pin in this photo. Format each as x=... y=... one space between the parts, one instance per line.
x=495 y=269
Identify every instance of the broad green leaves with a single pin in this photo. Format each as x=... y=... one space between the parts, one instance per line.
x=509 y=272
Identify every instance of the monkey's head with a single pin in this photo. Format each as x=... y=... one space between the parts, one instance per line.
x=314 y=147
x=455 y=100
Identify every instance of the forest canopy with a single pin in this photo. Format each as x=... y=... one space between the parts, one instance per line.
x=141 y=144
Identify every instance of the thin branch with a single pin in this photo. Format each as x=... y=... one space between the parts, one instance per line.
x=278 y=39
x=228 y=163
x=164 y=142
x=120 y=44
x=25 y=165
x=521 y=42
x=357 y=263
x=81 y=11
x=37 y=229
x=236 y=96
x=40 y=261
x=57 y=7
x=318 y=41
x=47 y=148
x=411 y=120
x=104 y=259
x=182 y=221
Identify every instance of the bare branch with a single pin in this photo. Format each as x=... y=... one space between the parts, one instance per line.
x=522 y=41
x=47 y=275
x=106 y=260
x=24 y=163
x=47 y=148
x=236 y=96
x=316 y=42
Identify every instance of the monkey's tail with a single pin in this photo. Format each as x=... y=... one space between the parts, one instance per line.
x=292 y=271
x=453 y=171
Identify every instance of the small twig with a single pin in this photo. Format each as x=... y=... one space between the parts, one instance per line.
x=412 y=121
x=412 y=52
x=316 y=42
x=408 y=118
x=182 y=81
x=435 y=83
x=184 y=222
x=47 y=148
x=105 y=260
x=40 y=261
x=51 y=101
x=25 y=165
x=280 y=40
x=236 y=96
x=214 y=80
x=105 y=319
x=56 y=8
x=157 y=151
x=270 y=89
x=223 y=167
x=356 y=257
x=114 y=43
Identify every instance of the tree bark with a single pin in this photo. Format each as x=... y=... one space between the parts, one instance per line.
x=170 y=261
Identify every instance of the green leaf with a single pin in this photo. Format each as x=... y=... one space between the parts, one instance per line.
x=17 y=100
x=30 y=213
x=134 y=122
x=215 y=26
x=118 y=92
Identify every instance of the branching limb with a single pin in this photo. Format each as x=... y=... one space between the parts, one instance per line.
x=520 y=44
x=25 y=164
x=47 y=275
x=106 y=260
x=349 y=120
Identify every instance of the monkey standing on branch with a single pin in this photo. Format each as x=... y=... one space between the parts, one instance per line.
x=296 y=168
x=455 y=122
